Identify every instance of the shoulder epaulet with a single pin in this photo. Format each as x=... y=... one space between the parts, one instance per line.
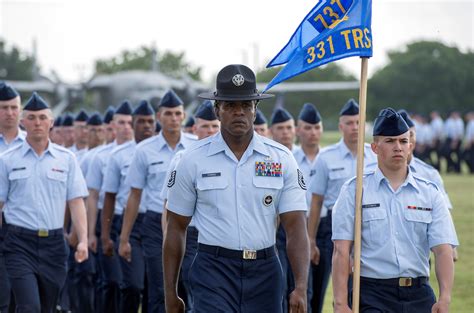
x=11 y=150
x=190 y=136
x=424 y=164
x=425 y=181
x=121 y=147
x=275 y=144
x=329 y=148
x=62 y=149
x=147 y=141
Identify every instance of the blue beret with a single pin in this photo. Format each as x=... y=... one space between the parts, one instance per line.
x=157 y=127
x=144 y=108
x=170 y=100
x=260 y=119
x=206 y=111
x=125 y=108
x=350 y=108
x=109 y=115
x=35 y=103
x=67 y=120
x=58 y=121
x=406 y=117
x=7 y=92
x=82 y=116
x=280 y=115
x=389 y=123
x=309 y=114
x=189 y=122
x=95 y=119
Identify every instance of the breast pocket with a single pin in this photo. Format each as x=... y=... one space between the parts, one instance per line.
x=18 y=179
x=375 y=226
x=267 y=191
x=419 y=221
x=57 y=182
x=210 y=189
x=157 y=175
x=338 y=174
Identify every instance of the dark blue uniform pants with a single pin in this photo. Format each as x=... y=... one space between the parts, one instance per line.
x=133 y=273
x=378 y=297
x=36 y=267
x=152 y=240
x=221 y=284
x=184 y=288
x=322 y=271
x=4 y=282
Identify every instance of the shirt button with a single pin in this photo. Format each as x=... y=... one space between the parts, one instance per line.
x=396 y=233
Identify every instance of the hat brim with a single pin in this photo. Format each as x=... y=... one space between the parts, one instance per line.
x=212 y=96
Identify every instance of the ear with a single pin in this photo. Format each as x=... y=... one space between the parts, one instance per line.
x=373 y=145
x=216 y=111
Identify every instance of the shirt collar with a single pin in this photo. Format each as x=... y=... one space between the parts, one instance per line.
x=343 y=149
x=218 y=144
x=161 y=142
x=25 y=147
x=410 y=180
x=20 y=136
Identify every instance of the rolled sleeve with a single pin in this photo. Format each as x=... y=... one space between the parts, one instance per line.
x=182 y=193
x=293 y=195
x=94 y=174
x=441 y=230
x=343 y=214
x=319 y=181
x=112 y=176
x=76 y=186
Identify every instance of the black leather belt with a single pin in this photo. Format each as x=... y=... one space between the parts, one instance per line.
x=37 y=233
x=397 y=282
x=238 y=254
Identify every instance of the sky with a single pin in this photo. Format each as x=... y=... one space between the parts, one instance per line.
x=71 y=34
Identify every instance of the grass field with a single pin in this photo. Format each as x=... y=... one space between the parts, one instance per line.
x=461 y=192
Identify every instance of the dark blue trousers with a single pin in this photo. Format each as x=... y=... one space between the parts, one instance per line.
x=221 y=284
x=184 y=288
x=152 y=240
x=381 y=298
x=4 y=282
x=322 y=271
x=133 y=273
x=36 y=267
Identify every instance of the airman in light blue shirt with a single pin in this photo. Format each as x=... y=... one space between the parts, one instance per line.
x=10 y=109
x=19 y=139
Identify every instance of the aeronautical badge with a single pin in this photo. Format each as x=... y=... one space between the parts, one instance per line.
x=267 y=200
x=172 y=179
x=238 y=80
x=301 y=180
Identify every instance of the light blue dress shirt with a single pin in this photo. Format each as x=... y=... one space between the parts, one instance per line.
x=233 y=203
x=116 y=174
x=19 y=139
x=35 y=188
x=149 y=166
x=335 y=164
x=308 y=168
x=96 y=171
x=398 y=227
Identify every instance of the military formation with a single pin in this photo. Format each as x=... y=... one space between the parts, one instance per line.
x=144 y=209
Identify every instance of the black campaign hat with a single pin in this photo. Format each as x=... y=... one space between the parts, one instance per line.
x=82 y=116
x=144 y=108
x=35 y=103
x=7 y=92
x=260 y=118
x=95 y=120
x=206 y=111
x=309 y=114
x=235 y=82
x=170 y=100
x=280 y=115
x=406 y=117
x=389 y=123
x=350 y=108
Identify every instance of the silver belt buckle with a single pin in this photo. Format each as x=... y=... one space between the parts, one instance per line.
x=249 y=254
x=404 y=282
x=43 y=233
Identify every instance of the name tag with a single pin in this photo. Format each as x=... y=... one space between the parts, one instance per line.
x=57 y=170
x=211 y=174
x=18 y=169
x=337 y=169
x=414 y=207
x=156 y=163
x=371 y=205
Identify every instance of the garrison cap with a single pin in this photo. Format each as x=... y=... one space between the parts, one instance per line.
x=7 y=92
x=406 y=117
x=280 y=115
x=95 y=119
x=309 y=114
x=170 y=100
x=350 y=108
x=260 y=118
x=109 y=115
x=35 y=103
x=144 y=108
x=206 y=111
x=82 y=116
x=189 y=122
x=125 y=108
x=157 y=127
x=389 y=123
x=67 y=120
x=58 y=121
x=235 y=82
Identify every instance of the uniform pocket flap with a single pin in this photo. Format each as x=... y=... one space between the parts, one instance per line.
x=418 y=216
x=60 y=175
x=19 y=174
x=373 y=214
x=268 y=182
x=209 y=182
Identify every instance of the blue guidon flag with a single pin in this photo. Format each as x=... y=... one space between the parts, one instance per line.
x=332 y=30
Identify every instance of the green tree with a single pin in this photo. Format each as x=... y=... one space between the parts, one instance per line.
x=422 y=77
x=173 y=64
x=328 y=102
x=14 y=64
